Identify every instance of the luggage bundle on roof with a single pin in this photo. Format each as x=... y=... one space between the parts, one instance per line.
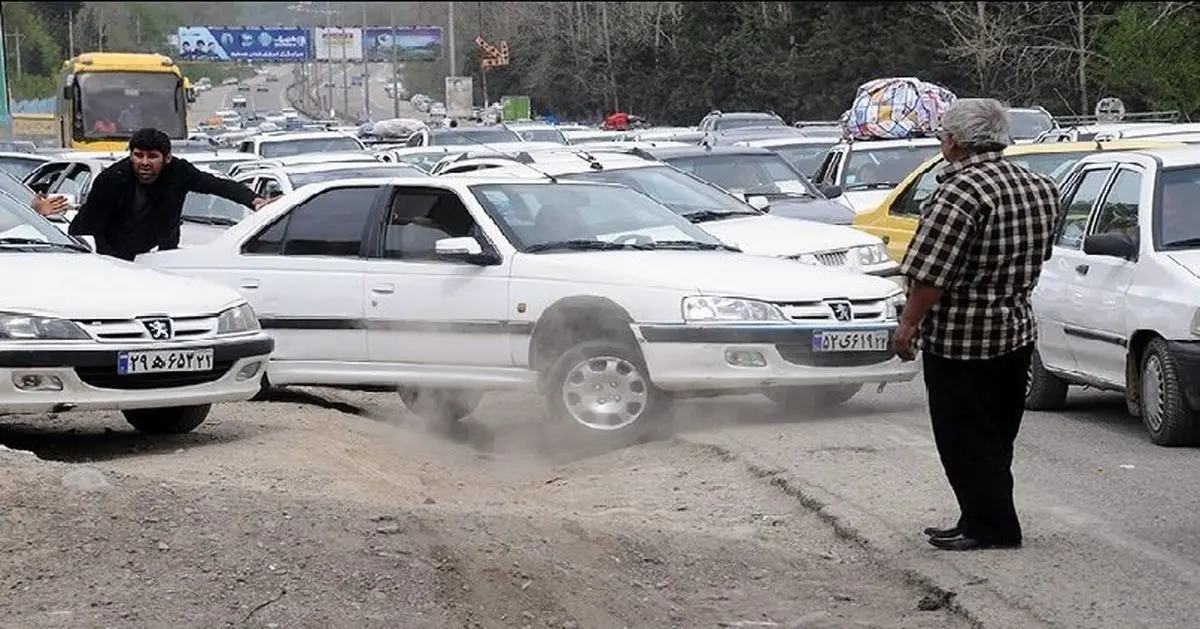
x=896 y=108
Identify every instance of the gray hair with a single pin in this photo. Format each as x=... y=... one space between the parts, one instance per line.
x=977 y=123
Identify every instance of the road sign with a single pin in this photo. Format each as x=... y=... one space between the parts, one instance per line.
x=235 y=43
x=337 y=44
x=406 y=43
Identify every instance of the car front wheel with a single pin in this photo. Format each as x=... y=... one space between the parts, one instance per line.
x=601 y=390
x=1165 y=410
x=175 y=420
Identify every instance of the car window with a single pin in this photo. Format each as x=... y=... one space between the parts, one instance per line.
x=1176 y=223
x=677 y=190
x=45 y=175
x=284 y=148
x=1078 y=207
x=19 y=167
x=1119 y=211
x=746 y=173
x=13 y=187
x=418 y=218
x=329 y=224
x=75 y=182
x=910 y=201
x=805 y=157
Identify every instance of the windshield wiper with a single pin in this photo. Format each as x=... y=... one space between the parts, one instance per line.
x=22 y=242
x=209 y=220
x=690 y=245
x=581 y=245
x=703 y=216
x=878 y=185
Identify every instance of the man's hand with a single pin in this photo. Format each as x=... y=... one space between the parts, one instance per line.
x=906 y=336
x=48 y=206
x=260 y=201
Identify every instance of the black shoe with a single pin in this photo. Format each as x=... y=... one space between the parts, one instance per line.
x=936 y=532
x=962 y=542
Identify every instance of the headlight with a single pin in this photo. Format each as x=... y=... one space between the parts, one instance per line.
x=870 y=255
x=730 y=309
x=23 y=327
x=237 y=319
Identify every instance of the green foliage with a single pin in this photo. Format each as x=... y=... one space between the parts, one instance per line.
x=1153 y=63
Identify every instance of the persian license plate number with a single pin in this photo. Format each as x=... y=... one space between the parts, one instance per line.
x=165 y=361
x=851 y=341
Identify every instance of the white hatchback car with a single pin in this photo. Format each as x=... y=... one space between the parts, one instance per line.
x=599 y=297
x=79 y=331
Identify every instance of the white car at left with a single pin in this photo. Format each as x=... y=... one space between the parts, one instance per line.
x=80 y=331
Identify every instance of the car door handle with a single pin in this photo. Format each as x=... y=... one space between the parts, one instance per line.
x=1081 y=269
x=383 y=289
x=249 y=283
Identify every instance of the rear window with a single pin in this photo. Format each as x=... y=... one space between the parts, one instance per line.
x=285 y=148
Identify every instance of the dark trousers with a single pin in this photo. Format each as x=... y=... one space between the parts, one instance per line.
x=976 y=408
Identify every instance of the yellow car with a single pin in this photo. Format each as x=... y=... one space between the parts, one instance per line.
x=895 y=220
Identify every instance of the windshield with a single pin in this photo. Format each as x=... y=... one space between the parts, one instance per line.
x=394 y=170
x=1053 y=165
x=1027 y=125
x=805 y=157
x=478 y=135
x=884 y=168
x=535 y=215
x=727 y=123
x=286 y=148
x=198 y=205
x=219 y=165
x=13 y=187
x=19 y=166
x=19 y=221
x=746 y=174
x=548 y=134
x=674 y=189
x=1177 y=221
x=424 y=161
x=112 y=105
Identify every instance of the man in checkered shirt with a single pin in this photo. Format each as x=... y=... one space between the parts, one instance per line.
x=971 y=267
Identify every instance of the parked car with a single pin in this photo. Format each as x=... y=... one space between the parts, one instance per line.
x=80 y=331
x=602 y=299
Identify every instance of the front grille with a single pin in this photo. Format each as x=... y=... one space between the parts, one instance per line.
x=108 y=378
x=863 y=310
x=832 y=258
x=125 y=330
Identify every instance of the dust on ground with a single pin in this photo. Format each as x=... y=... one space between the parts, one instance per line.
x=328 y=509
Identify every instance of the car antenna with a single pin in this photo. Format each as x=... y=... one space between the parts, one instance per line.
x=523 y=158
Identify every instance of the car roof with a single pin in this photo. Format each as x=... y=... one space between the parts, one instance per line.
x=868 y=145
x=1040 y=148
x=791 y=140
x=1167 y=157
x=669 y=152
x=567 y=162
x=300 y=169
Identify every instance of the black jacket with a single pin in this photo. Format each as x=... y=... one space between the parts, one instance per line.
x=111 y=198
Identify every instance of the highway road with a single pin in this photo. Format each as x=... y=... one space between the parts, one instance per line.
x=350 y=102
x=221 y=96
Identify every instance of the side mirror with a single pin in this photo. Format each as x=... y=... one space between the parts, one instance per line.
x=1115 y=245
x=830 y=191
x=458 y=248
x=759 y=202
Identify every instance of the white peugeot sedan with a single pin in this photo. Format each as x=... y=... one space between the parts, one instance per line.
x=709 y=207
x=79 y=331
x=600 y=298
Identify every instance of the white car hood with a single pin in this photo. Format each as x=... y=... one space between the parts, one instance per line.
x=775 y=236
x=80 y=285
x=863 y=201
x=704 y=272
x=190 y=234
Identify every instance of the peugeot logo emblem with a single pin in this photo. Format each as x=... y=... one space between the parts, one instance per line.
x=841 y=310
x=159 y=329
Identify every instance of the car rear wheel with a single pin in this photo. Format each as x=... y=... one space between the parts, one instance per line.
x=443 y=406
x=174 y=420
x=1044 y=391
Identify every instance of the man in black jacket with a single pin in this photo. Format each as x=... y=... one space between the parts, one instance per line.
x=135 y=205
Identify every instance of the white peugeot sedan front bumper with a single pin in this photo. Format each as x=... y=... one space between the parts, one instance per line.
x=731 y=358
x=40 y=377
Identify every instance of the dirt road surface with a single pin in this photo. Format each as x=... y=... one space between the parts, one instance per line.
x=334 y=509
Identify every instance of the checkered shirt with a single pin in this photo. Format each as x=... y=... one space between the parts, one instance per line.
x=983 y=236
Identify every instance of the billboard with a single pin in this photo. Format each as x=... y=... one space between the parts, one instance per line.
x=336 y=43
x=406 y=43
x=236 y=43
x=460 y=96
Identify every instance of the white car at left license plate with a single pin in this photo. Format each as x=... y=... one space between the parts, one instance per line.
x=80 y=331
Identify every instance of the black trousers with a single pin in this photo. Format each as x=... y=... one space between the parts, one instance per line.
x=976 y=408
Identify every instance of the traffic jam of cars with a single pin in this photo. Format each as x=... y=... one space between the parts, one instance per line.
x=609 y=271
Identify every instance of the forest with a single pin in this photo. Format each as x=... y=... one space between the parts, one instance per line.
x=673 y=61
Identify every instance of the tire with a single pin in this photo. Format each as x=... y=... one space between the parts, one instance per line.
x=804 y=398
x=1166 y=413
x=444 y=406
x=264 y=390
x=175 y=420
x=1044 y=391
x=620 y=371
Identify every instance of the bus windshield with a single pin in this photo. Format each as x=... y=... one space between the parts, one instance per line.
x=112 y=105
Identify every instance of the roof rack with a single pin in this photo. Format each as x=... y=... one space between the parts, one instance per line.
x=916 y=135
x=817 y=123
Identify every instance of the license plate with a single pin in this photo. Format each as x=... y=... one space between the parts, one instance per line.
x=851 y=341
x=163 y=361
